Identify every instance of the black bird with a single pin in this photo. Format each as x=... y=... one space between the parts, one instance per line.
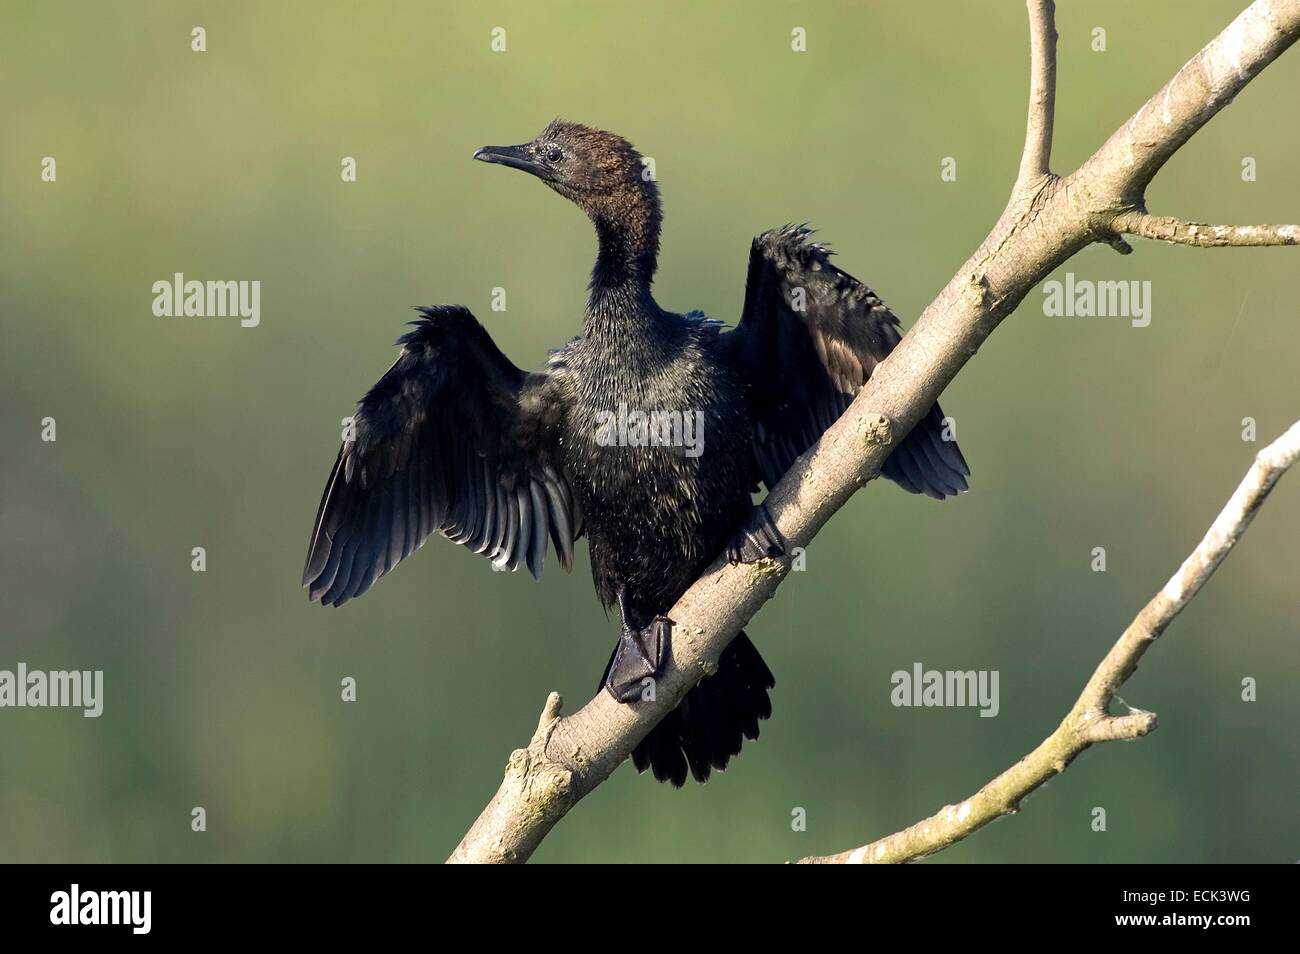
x=455 y=438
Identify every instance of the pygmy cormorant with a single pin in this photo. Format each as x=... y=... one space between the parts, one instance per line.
x=455 y=438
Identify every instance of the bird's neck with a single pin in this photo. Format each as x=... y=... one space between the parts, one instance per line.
x=628 y=235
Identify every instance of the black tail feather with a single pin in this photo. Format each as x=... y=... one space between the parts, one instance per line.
x=926 y=463
x=709 y=725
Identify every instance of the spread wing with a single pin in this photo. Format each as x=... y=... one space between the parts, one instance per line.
x=809 y=337
x=452 y=438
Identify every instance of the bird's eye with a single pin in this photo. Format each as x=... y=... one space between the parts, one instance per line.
x=554 y=155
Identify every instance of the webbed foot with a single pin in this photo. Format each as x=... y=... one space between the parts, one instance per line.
x=640 y=655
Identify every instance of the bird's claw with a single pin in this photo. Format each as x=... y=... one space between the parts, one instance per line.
x=757 y=538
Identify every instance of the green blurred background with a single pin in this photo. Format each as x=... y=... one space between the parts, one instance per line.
x=222 y=688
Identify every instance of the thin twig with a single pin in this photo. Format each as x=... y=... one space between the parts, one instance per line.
x=1035 y=161
x=1198 y=235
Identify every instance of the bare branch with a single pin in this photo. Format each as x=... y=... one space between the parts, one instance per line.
x=1042 y=226
x=1210 y=80
x=504 y=834
x=1199 y=235
x=1036 y=159
x=1119 y=728
x=1087 y=722
x=1270 y=464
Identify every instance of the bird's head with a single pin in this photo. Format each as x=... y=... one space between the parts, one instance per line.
x=588 y=166
x=599 y=172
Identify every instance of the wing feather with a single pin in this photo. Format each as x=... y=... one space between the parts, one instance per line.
x=442 y=442
x=809 y=337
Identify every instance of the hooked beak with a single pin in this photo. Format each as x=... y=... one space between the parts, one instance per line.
x=516 y=157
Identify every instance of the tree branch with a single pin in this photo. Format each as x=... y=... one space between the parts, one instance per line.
x=1088 y=722
x=1198 y=235
x=1036 y=158
x=1206 y=83
x=1046 y=221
